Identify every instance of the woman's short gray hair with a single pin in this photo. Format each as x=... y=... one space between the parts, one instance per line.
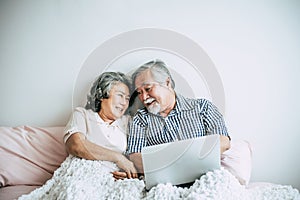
x=158 y=70
x=102 y=86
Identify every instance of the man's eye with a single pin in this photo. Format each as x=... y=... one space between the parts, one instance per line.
x=138 y=92
x=148 y=89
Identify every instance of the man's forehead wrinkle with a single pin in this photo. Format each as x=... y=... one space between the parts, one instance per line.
x=145 y=84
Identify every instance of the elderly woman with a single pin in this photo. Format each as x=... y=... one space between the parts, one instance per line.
x=96 y=137
x=99 y=131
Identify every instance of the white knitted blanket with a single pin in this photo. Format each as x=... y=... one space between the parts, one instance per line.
x=84 y=179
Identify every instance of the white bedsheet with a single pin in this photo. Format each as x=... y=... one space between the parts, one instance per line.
x=85 y=179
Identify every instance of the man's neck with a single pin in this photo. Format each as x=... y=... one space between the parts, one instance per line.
x=171 y=106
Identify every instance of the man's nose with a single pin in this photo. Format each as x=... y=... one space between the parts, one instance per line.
x=144 y=95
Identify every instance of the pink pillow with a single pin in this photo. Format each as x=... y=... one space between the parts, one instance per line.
x=30 y=155
x=238 y=160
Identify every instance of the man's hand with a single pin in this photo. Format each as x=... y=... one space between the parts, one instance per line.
x=136 y=158
x=224 y=143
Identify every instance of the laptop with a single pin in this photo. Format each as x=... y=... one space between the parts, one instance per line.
x=181 y=161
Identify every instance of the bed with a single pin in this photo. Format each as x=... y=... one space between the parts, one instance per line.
x=33 y=161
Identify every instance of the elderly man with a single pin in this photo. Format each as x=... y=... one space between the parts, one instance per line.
x=167 y=115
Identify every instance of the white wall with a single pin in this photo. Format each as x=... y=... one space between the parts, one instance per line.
x=254 y=45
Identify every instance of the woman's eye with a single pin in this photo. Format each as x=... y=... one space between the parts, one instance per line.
x=120 y=96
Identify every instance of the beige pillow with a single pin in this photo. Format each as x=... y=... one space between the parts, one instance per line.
x=30 y=155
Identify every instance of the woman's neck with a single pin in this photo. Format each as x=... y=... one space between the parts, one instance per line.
x=105 y=118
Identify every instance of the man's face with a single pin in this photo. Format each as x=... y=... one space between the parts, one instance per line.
x=117 y=103
x=154 y=95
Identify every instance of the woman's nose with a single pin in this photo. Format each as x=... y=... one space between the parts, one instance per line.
x=124 y=101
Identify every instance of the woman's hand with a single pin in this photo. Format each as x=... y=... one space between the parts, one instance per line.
x=119 y=175
x=128 y=168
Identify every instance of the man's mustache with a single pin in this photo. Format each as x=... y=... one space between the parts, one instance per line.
x=149 y=100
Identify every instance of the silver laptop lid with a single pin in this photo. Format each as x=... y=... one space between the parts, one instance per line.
x=181 y=161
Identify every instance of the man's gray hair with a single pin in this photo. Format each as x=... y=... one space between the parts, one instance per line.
x=158 y=69
x=102 y=86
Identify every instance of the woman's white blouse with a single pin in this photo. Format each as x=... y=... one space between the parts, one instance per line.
x=112 y=136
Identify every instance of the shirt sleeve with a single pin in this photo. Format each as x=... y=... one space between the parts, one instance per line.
x=213 y=120
x=137 y=135
x=76 y=124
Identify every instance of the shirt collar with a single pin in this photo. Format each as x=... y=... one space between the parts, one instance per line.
x=117 y=123
x=181 y=104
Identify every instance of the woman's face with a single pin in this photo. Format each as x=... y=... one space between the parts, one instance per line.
x=117 y=103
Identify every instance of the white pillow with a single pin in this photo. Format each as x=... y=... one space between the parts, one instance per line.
x=238 y=160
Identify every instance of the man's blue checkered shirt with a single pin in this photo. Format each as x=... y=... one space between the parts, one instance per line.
x=189 y=119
